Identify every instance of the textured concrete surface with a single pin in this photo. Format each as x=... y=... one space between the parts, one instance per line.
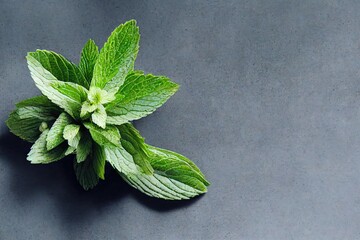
x=268 y=109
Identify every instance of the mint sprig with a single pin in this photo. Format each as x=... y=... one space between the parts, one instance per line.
x=86 y=111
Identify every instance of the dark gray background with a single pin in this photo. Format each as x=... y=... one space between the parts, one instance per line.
x=268 y=109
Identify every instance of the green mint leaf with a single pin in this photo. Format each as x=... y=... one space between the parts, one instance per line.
x=69 y=96
x=109 y=135
x=72 y=135
x=143 y=94
x=173 y=179
x=84 y=148
x=117 y=98
x=174 y=176
x=38 y=107
x=27 y=129
x=86 y=174
x=70 y=150
x=40 y=102
x=175 y=166
x=39 y=153
x=89 y=171
x=118 y=157
x=89 y=55
x=66 y=95
x=167 y=183
x=117 y=57
x=55 y=135
x=99 y=116
x=99 y=161
x=60 y=67
x=134 y=144
x=161 y=187
x=25 y=121
x=35 y=112
x=70 y=131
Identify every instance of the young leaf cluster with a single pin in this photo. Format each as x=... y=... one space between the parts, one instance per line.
x=86 y=110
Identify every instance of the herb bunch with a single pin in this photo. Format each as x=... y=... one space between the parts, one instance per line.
x=86 y=110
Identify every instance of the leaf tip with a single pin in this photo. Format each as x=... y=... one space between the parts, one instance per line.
x=131 y=21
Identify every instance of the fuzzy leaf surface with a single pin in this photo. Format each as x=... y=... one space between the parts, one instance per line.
x=134 y=144
x=67 y=95
x=72 y=135
x=175 y=177
x=55 y=135
x=109 y=135
x=117 y=57
x=39 y=153
x=143 y=94
x=25 y=121
x=84 y=148
x=89 y=55
x=86 y=174
x=99 y=116
x=61 y=68
x=89 y=171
